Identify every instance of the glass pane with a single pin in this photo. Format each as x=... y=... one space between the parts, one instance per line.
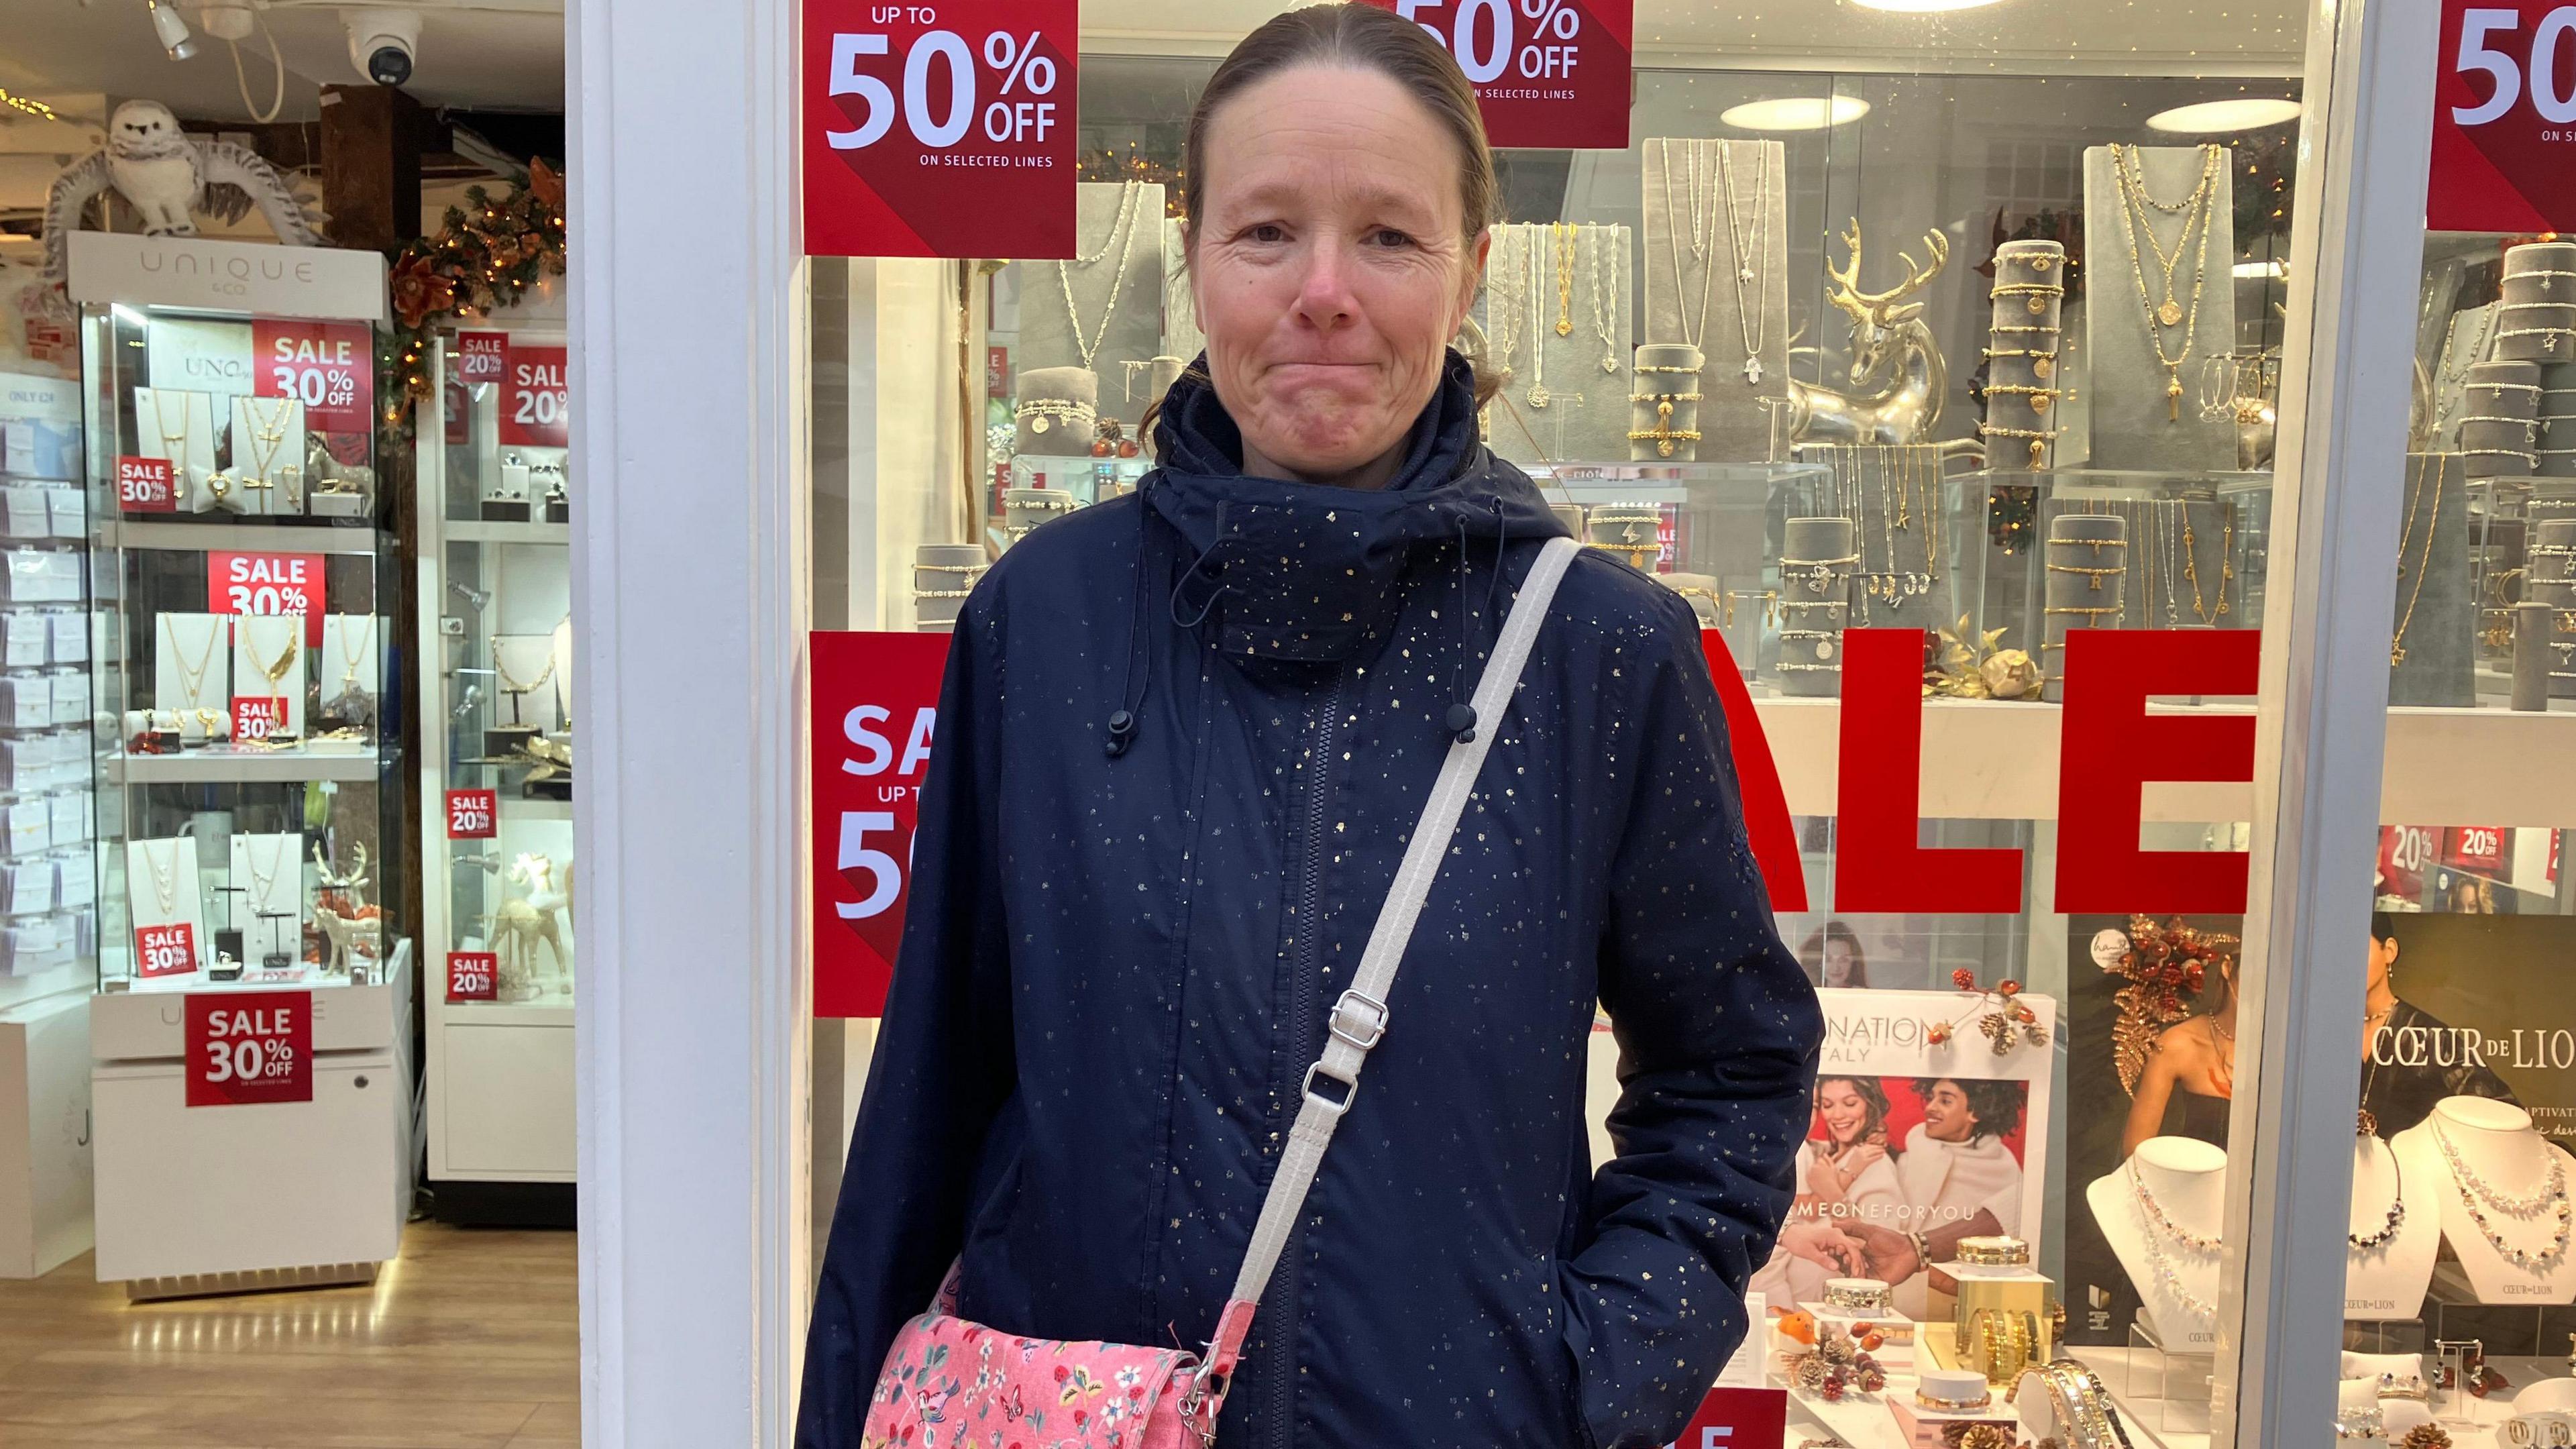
x=1965 y=324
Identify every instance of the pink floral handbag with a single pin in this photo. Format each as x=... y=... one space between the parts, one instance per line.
x=948 y=1381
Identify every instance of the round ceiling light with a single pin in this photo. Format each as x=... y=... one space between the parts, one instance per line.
x=1921 y=7
x=2219 y=118
x=1795 y=113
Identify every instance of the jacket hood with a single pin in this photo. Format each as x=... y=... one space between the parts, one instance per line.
x=1309 y=571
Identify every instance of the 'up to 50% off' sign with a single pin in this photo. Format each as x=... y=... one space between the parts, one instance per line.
x=1548 y=73
x=2504 y=118
x=940 y=130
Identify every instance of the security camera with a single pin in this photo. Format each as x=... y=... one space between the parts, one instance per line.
x=383 y=43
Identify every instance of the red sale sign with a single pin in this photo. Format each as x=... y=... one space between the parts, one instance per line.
x=330 y=367
x=256 y=718
x=473 y=814
x=144 y=485
x=268 y=583
x=480 y=356
x=1548 y=73
x=2486 y=849
x=249 y=1046
x=876 y=704
x=1738 y=1418
x=940 y=131
x=2504 y=117
x=536 y=397
x=473 y=976
x=165 y=950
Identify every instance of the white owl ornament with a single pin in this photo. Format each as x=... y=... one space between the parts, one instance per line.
x=168 y=176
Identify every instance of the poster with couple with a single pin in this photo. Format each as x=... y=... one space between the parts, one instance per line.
x=1920 y=1125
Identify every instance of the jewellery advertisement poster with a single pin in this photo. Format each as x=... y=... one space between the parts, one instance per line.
x=1553 y=75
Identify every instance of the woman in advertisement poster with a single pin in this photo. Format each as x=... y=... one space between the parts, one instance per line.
x=2411 y=1059
x=1832 y=957
x=2190 y=1076
x=1845 y=1175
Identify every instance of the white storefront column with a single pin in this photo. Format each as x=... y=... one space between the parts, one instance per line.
x=689 y=584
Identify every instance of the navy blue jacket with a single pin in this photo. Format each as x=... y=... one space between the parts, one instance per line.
x=1117 y=967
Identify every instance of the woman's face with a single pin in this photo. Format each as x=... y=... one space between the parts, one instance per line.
x=1838 y=963
x=1328 y=266
x=1846 y=1116
x=1945 y=1113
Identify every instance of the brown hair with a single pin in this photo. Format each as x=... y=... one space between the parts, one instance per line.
x=1354 y=37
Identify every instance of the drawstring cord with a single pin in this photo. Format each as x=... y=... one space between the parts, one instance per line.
x=1461 y=719
x=1122 y=720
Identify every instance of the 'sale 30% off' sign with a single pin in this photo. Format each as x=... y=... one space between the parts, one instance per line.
x=940 y=130
x=1547 y=73
x=249 y=1046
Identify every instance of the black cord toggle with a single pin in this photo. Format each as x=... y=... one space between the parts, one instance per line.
x=1122 y=732
x=1462 y=723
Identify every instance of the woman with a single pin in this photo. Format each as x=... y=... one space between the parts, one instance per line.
x=1846 y=1177
x=2410 y=1058
x=1182 y=737
x=1832 y=957
x=1958 y=1179
x=2190 y=1075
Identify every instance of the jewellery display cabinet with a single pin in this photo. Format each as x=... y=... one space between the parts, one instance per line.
x=496 y=771
x=235 y=702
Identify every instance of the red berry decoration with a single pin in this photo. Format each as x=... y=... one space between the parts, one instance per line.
x=1964 y=979
x=2008 y=987
x=1938 y=1034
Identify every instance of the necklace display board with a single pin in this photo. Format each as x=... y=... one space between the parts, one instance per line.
x=1663 y=412
x=267 y=896
x=1817 y=560
x=1181 y=335
x=350 y=669
x=2074 y=595
x=1057 y=412
x=2536 y=318
x=1555 y=314
x=2393 y=1239
x=2029 y=380
x=192 y=670
x=2432 y=646
x=1102 y=308
x=168 y=891
x=2471 y=335
x=179 y=426
x=268 y=454
x=2499 y=420
x=268 y=664
x=2161 y=1213
x=2159 y=298
x=1893 y=499
x=2181 y=560
x=2503 y=1195
x=1716 y=271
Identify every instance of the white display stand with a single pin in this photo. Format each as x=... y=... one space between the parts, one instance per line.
x=44 y=1134
x=212 y=1199
x=2497 y=1141
x=164 y=889
x=258 y=640
x=526 y=658
x=2388 y=1282
x=2188 y=1178
x=278 y=465
x=196 y=647
x=180 y=427
x=353 y=656
x=268 y=905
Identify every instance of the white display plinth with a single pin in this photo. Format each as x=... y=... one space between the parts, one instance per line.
x=188 y=1196
x=44 y=1134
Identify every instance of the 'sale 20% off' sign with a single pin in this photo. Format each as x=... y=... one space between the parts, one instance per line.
x=1547 y=73
x=940 y=130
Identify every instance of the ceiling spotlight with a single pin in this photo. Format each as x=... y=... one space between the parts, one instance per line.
x=172 y=30
x=2220 y=118
x=1921 y=7
x=1795 y=113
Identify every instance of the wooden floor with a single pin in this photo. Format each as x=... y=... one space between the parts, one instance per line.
x=470 y=1341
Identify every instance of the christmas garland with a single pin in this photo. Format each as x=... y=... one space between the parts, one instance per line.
x=2166 y=967
x=485 y=256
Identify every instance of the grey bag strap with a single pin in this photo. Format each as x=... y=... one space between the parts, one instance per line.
x=1359 y=1017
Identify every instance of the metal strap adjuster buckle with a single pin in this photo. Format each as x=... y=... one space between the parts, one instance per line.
x=1350 y=1089
x=1370 y=1014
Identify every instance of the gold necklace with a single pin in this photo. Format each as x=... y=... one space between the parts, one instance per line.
x=165 y=877
x=169 y=439
x=273 y=433
x=1751 y=322
x=192 y=680
x=349 y=657
x=264 y=881
x=285 y=661
x=2191 y=571
x=1560 y=241
x=2199 y=209
x=1700 y=238
x=510 y=682
x=1122 y=235
x=2423 y=565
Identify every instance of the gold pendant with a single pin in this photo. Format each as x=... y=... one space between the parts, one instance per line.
x=1039 y=425
x=2044 y=369
x=2396 y=654
x=2038 y=454
x=2039 y=402
x=2173 y=400
x=1824 y=649
x=2037 y=304
x=2170 y=313
x=1564 y=328
x=2097 y=582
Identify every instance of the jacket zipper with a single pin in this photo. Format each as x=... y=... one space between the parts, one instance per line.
x=1283 y=1308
